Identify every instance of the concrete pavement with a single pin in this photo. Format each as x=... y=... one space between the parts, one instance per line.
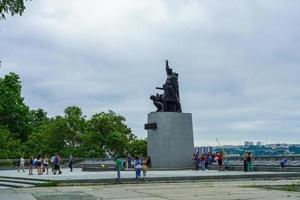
x=218 y=190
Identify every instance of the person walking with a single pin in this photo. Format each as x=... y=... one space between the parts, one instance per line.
x=137 y=167
x=119 y=167
x=21 y=164
x=71 y=163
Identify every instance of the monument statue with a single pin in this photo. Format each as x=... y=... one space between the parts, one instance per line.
x=169 y=101
x=169 y=130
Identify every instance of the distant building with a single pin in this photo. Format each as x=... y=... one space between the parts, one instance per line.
x=248 y=143
x=203 y=149
x=258 y=144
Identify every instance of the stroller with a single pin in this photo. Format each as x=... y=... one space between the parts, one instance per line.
x=227 y=165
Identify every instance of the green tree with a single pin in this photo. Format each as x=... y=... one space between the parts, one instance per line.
x=9 y=148
x=37 y=119
x=13 y=112
x=49 y=139
x=138 y=147
x=75 y=126
x=12 y=7
x=107 y=135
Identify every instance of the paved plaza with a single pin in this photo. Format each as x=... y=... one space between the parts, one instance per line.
x=77 y=174
x=216 y=190
x=221 y=185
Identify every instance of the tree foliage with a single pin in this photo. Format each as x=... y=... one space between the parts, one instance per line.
x=138 y=147
x=13 y=7
x=31 y=132
x=13 y=112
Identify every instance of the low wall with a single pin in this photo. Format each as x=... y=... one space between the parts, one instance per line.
x=261 y=168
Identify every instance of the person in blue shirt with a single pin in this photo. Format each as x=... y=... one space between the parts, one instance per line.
x=138 y=167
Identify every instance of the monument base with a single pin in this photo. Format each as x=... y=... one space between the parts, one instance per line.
x=170 y=141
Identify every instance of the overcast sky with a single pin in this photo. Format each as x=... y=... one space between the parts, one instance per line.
x=238 y=62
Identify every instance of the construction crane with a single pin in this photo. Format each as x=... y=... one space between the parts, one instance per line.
x=219 y=143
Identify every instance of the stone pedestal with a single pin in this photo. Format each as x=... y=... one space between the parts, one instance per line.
x=170 y=141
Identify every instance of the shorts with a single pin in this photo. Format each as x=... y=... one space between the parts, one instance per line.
x=38 y=164
x=220 y=162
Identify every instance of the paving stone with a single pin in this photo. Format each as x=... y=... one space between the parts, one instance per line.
x=12 y=196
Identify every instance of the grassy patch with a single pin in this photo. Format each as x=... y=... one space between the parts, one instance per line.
x=48 y=184
x=290 y=187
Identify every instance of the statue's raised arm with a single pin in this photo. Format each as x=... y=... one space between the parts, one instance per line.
x=169 y=100
x=168 y=69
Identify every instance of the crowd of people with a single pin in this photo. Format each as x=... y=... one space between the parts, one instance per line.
x=203 y=161
x=41 y=164
x=139 y=165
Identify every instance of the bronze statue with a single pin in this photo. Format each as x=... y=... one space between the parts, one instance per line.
x=169 y=101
